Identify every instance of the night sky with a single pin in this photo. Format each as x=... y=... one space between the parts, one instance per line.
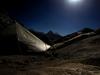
x=61 y=16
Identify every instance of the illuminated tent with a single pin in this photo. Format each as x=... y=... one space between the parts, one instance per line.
x=15 y=38
x=30 y=39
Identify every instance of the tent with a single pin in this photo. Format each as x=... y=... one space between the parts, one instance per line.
x=30 y=39
x=15 y=38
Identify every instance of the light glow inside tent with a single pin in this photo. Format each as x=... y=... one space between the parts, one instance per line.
x=31 y=40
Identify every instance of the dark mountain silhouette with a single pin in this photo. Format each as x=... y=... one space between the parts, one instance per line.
x=85 y=30
x=41 y=35
x=53 y=36
x=69 y=36
x=47 y=37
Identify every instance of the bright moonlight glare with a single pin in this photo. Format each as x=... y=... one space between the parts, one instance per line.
x=74 y=1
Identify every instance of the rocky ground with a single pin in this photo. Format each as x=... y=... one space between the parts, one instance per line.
x=26 y=65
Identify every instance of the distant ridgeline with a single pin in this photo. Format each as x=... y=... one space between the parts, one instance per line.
x=15 y=38
x=75 y=37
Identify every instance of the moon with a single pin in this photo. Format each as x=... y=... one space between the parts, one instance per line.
x=74 y=2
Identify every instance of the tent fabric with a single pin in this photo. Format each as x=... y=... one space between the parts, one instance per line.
x=15 y=38
x=30 y=39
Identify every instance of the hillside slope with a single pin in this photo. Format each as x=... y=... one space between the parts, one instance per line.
x=87 y=49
